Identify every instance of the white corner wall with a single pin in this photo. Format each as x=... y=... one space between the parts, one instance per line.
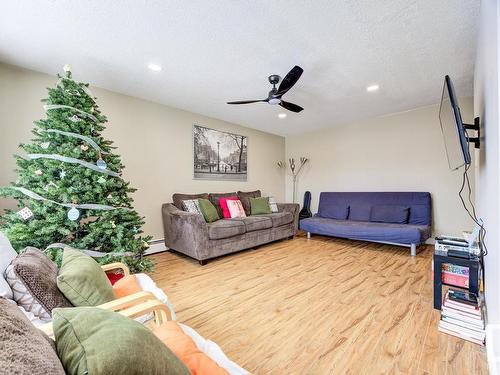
x=486 y=105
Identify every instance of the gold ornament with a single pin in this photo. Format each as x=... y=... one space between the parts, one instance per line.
x=84 y=147
x=38 y=172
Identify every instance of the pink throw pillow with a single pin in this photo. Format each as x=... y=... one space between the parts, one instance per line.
x=236 y=208
x=223 y=206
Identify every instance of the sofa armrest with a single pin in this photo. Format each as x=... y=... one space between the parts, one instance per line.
x=294 y=209
x=185 y=232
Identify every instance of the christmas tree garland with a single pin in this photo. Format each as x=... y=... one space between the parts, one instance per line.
x=89 y=140
x=100 y=167
x=85 y=206
x=59 y=106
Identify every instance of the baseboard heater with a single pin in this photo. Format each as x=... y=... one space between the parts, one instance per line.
x=156 y=246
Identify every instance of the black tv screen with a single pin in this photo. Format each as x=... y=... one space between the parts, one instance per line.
x=455 y=138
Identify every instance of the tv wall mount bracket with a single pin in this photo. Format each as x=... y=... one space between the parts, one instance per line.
x=476 y=127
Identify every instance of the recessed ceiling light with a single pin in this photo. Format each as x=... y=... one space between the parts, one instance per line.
x=154 y=67
x=372 y=88
x=282 y=115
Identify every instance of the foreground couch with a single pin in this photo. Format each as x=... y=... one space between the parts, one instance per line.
x=188 y=233
x=398 y=218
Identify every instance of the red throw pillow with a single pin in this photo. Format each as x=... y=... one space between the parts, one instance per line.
x=223 y=206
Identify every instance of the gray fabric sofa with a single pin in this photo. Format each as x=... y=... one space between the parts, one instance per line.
x=189 y=234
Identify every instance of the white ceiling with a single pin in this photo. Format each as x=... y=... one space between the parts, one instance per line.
x=220 y=50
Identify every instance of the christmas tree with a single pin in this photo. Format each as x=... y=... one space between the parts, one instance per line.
x=69 y=186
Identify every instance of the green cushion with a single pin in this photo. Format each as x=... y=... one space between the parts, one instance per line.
x=91 y=341
x=82 y=280
x=259 y=206
x=208 y=210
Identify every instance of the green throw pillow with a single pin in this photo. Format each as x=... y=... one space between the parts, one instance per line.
x=259 y=206
x=82 y=280
x=208 y=210
x=92 y=341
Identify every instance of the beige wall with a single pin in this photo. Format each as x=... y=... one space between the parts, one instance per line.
x=155 y=143
x=398 y=152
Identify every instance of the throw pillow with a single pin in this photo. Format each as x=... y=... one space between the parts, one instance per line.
x=90 y=340
x=7 y=255
x=208 y=210
x=245 y=199
x=235 y=209
x=359 y=212
x=126 y=286
x=25 y=349
x=259 y=206
x=337 y=212
x=390 y=214
x=184 y=347
x=215 y=199
x=82 y=280
x=223 y=206
x=191 y=205
x=273 y=205
x=178 y=198
x=32 y=278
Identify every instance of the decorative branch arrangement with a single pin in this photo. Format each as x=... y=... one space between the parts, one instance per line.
x=294 y=170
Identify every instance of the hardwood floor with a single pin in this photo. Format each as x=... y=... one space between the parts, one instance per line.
x=323 y=306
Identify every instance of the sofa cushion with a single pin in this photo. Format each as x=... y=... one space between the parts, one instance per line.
x=359 y=212
x=365 y=230
x=339 y=212
x=225 y=228
x=245 y=199
x=95 y=341
x=279 y=218
x=259 y=206
x=390 y=214
x=177 y=198
x=215 y=197
x=223 y=206
x=253 y=223
x=235 y=208
x=33 y=279
x=7 y=255
x=24 y=348
x=82 y=280
x=192 y=206
x=208 y=210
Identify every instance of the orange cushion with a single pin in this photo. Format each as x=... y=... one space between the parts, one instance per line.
x=184 y=347
x=126 y=286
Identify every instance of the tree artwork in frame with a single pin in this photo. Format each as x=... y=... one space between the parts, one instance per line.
x=219 y=155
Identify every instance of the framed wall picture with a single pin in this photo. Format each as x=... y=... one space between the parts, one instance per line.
x=219 y=155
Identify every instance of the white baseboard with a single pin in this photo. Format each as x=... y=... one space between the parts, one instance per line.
x=156 y=246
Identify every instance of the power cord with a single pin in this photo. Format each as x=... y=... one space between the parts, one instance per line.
x=473 y=216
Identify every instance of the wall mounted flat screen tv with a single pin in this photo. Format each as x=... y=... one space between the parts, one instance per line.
x=455 y=137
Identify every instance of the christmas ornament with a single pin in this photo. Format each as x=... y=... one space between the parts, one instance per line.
x=110 y=196
x=73 y=214
x=74 y=118
x=49 y=185
x=38 y=172
x=113 y=225
x=25 y=213
x=101 y=164
x=62 y=174
x=67 y=68
x=45 y=145
x=84 y=147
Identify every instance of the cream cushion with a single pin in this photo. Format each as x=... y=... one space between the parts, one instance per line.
x=7 y=255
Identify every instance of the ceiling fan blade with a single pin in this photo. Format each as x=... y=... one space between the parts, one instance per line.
x=247 y=101
x=290 y=79
x=291 y=107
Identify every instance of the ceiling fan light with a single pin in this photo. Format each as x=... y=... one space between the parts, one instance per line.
x=274 y=101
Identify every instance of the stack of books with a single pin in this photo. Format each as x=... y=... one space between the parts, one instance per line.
x=462 y=316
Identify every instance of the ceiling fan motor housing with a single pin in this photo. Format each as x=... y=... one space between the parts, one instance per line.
x=274 y=79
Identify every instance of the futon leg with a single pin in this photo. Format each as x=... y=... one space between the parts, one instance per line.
x=202 y=262
x=413 y=249
x=308 y=235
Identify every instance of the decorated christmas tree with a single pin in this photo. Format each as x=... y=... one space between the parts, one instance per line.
x=69 y=186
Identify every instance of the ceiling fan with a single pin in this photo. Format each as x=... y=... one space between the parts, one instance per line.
x=274 y=96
